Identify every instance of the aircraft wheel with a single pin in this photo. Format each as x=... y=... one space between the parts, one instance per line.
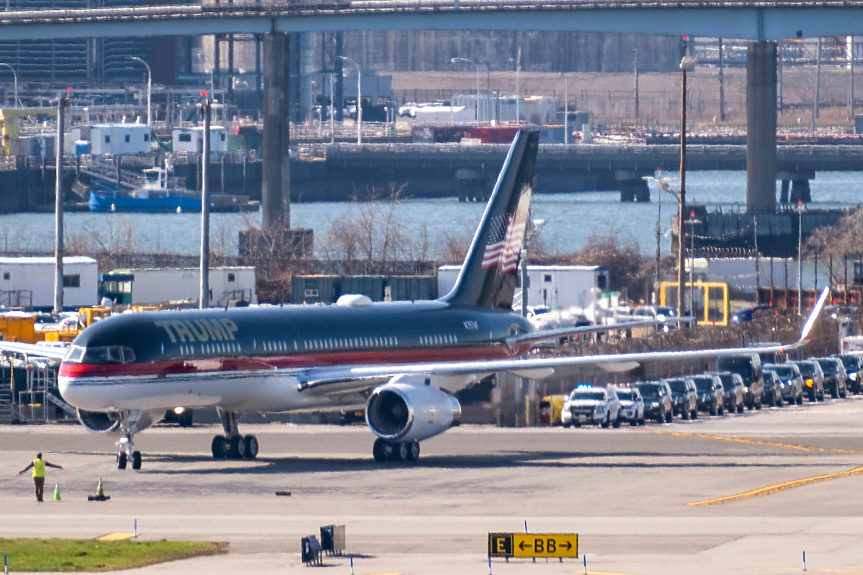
x=218 y=447
x=413 y=450
x=398 y=452
x=136 y=460
x=379 y=450
x=251 y=446
x=695 y=414
x=238 y=448
x=121 y=460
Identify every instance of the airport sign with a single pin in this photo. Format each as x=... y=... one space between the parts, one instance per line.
x=533 y=545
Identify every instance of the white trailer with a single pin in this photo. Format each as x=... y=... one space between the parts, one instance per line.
x=558 y=287
x=118 y=139
x=151 y=286
x=29 y=282
x=192 y=140
x=445 y=115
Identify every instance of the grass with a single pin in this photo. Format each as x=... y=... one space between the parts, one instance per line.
x=88 y=555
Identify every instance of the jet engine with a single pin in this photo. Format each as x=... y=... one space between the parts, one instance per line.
x=110 y=421
x=408 y=408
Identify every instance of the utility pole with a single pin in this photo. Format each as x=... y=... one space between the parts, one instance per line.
x=62 y=104
x=816 y=112
x=636 y=84
x=205 y=108
x=721 y=83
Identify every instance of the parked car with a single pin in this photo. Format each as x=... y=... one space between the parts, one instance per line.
x=631 y=405
x=853 y=365
x=792 y=381
x=745 y=314
x=748 y=367
x=772 y=395
x=834 y=375
x=813 y=379
x=590 y=405
x=732 y=385
x=711 y=395
x=684 y=397
x=657 y=400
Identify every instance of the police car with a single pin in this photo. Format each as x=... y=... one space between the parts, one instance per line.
x=589 y=405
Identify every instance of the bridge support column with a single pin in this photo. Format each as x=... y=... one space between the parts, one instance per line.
x=799 y=186
x=633 y=187
x=761 y=128
x=276 y=185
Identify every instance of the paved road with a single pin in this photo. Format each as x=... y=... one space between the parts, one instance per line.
x=625 y=491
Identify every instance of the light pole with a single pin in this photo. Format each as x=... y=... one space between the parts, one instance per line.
x=15 y=79
x=685 y=64
x=800 y=209
x=149 y=88
x=359 y=99
x=517 y=61
x=454 y=60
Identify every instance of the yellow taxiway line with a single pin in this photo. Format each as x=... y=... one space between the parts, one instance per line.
x=758 y=442
x=771 y=489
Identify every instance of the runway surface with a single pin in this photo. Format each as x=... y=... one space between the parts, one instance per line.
x=627 y=492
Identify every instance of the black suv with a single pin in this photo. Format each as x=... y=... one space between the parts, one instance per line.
x=735 y=397
x=748 y=367
x=684 y=397
x=711 y=395
x=657 y=400
x=834 y=375
x=813 y=379
x=853 y=365
x=772 y=389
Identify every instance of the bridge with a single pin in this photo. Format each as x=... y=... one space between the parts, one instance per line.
x=757 y=21
x=764 y=22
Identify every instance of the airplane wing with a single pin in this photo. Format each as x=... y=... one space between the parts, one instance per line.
x=536 y=336
x=34 y=350
x=327 y=378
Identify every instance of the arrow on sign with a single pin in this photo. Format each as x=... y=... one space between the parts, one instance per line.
x=521 y=546
x=568 y=545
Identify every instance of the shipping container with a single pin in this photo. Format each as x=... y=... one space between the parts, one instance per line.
x=310 y=289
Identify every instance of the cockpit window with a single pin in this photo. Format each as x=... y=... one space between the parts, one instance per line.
x=75 y=354
x=106 y=354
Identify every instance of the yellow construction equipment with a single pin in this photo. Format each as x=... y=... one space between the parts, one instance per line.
x=9 y=124
x=709 y=299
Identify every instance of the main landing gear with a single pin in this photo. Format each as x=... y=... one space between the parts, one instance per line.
x=232 y=445
x=388 y=451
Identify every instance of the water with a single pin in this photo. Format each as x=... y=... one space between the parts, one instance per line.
x=571 y=219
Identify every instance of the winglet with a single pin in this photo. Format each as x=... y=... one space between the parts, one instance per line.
x=810 y=322
x=816 y=311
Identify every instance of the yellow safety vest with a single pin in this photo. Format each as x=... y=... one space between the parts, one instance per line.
x=38 y=468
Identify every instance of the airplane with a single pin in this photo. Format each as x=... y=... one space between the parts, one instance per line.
x=402 y=361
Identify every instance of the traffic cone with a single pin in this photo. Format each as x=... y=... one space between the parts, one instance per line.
x=100 y=494
x=57 y=491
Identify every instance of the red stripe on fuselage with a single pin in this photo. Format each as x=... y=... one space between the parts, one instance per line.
x=213 y=364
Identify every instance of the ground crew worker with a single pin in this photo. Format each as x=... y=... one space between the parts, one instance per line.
x=39 y=466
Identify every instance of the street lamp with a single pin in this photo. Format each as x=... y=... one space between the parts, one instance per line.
x=15 y=78
x=149 y=88
x=359 y=99
x=685 y=64
x=454 y=60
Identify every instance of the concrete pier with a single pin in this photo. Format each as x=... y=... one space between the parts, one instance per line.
x=276 y=185
x=761 y=128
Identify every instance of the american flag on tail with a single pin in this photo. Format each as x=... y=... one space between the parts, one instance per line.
x=504 y=243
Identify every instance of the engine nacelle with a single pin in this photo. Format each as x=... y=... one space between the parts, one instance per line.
x=109 y=421
x=408 y=409
x=99 y=421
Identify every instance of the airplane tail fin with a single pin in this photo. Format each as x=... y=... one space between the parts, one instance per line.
x=488 y=274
